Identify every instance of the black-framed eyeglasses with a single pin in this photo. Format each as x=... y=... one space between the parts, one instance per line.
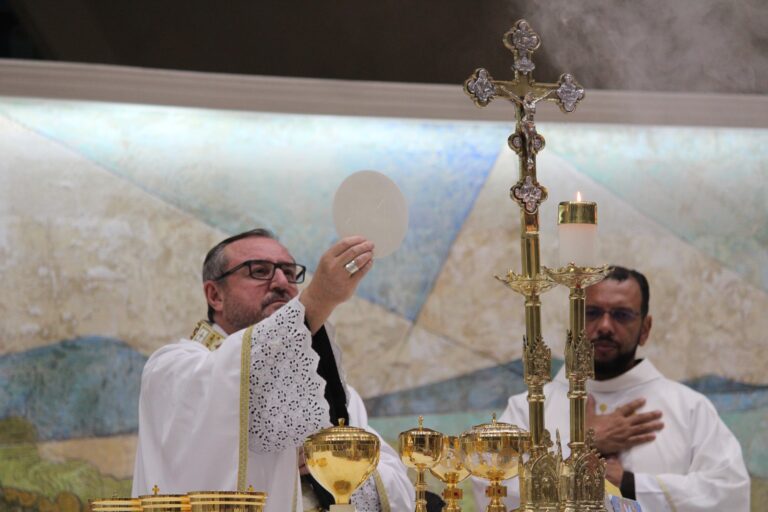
x=618 y=315
x=265 y=270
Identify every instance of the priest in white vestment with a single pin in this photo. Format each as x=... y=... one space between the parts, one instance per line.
x=232 y=406
x=664 y=443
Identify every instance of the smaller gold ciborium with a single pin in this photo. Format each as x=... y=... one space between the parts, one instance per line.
x=451 y=470
x=420 y=449
x=492 y=451
x=115 y=505
x=227 y=501
x=341 y=459
x=164 y=502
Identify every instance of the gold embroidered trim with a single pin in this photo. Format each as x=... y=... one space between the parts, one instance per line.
x=383 y=498
x=666 y=494
x=245 y=385
x=204 y=333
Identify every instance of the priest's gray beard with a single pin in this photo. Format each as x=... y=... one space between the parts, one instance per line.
x=623 y=361
x=241 y=315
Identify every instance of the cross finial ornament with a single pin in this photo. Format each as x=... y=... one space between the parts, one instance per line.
x=524 y=92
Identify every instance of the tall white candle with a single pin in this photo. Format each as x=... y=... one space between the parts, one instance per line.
x=577 y=230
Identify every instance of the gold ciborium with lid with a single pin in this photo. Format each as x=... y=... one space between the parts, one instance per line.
x=451 y=470
x=420 y=449
x=492 y=451
x=157 y=502
x=341 y=459
x=227 y=501
x=115 y=504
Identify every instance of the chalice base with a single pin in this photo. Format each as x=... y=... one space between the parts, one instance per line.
x=345 y=507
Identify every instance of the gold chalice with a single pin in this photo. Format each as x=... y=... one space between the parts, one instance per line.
x=341 y=459
x=420 y=449
x=451 y=470
x=492 y=451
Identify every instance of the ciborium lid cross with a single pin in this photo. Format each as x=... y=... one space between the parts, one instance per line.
x=525 y=93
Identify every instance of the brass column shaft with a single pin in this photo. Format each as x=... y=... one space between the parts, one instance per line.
x=577 y=299
x=531 y=268
x=530 y=245
x=577 y=392
x=578 y=397
x=535 y=392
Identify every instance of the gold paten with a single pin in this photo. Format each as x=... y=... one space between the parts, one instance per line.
x=222 y=501
x=341 y=459
x=493 y=451
x=451 y=470
x=420 y=449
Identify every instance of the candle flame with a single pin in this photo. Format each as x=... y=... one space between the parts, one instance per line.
x=578 y=197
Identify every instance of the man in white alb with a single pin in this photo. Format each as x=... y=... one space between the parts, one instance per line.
x=232 y=406
x=665 y=445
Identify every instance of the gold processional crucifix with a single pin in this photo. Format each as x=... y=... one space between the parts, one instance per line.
x=524 y=92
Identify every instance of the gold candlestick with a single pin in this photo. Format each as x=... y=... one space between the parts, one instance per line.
x=451 y=470
x=582 y=474
x=420 y=449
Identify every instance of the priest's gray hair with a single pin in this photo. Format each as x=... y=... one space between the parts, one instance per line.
x=216 y=262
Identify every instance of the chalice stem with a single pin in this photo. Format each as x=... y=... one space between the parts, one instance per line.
x=421 y=492
x=496 y=491
x=452 y=495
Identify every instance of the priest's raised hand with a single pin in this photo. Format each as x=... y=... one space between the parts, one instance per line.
x=339 y=271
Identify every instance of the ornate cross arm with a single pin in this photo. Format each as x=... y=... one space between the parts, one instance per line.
x=482 y=88
x=522 y=41
x=525 y=93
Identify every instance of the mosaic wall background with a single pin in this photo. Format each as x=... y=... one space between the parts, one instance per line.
x=106 y=211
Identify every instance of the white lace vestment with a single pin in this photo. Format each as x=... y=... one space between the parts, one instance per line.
x=189 y=417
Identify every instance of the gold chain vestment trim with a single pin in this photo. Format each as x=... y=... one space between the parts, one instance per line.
x=296 y=487
x=245 y=384
x=383 y=498
x=666 y=494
